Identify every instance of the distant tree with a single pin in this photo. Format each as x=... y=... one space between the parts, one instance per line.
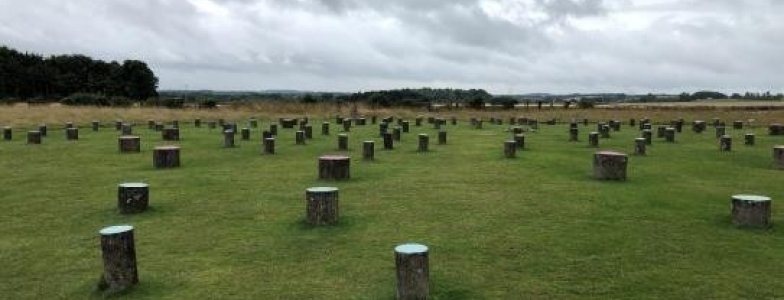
x=708 y=95
x=736 y=96
x=684 y=97
x=505 y=102
x=308 y=98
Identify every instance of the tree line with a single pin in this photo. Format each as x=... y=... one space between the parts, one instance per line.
x=28 y=76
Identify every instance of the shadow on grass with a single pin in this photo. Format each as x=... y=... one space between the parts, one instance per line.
x=345 y=224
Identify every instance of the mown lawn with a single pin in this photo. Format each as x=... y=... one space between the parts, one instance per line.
x=229 y=222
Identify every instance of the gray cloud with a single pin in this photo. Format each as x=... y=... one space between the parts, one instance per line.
x=506 y=46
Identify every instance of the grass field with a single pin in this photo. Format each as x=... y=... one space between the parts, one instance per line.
x=229 y=222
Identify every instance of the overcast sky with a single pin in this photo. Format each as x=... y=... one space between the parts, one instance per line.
x=504 y=46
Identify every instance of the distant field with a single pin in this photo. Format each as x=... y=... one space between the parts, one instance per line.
x=228 y=224
x=715 y=103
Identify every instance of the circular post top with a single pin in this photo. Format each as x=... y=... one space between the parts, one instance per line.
x=752 y=198
x=167 y=148
x=321 y=189
x=110 y=230
x=640 y=139
x=134 y=185
x=334 y=157
x=609 y=153
x=423 y=134
x=411 y=248
x=129 y=137
x=778 y=147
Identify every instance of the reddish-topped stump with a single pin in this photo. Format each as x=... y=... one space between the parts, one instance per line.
x=609 y=165
x=166 y=157
x=129 y=143
x=119 y=259
x=334 y=167
x=413 y=271
x=133 y=197
x=751 y=211
x=778 y=157
x=321 y=205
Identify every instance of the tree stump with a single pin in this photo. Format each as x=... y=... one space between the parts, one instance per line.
x=720 y=131
x=510 y=148
x=412 y=271
x=396 y=133
x=95 y=125
x=453 y=120
x=343 y=141
x=573 y=132
x=321 y=205
x=8 y=133
x=269 y=145
x=287 y=123
x=778 y=157
x=593 y=139
x=170 y=134
x=648 y=136
x=388 y=143
x=660 y=130
x=159 y=127
x=334 y=167
x=72 y=134
x=737 y=125
x=273 y=128
x=405 y=126
x=119 y=259
x=751 y=211
x=118 y=125
x=325 y=128
x=265 y=135
x=609 y=165
x=253 y=123
x=368 y=150
x=127 y=129
x=151 y=124
x=308 y=132
x=383 y=128
x=166 y=157
x=725 y=143
x=129 y=143
x=339 y=120
x=69 y=125
x=423 y=142
x=442 y=137
x=245 y=134
x=639 y=146
x=698 y=126
x=669 y=135
x=418 y=121
x=34 y=137
x=228 y=138
x=299 y=137
x=776 y=129
x=197 y=123
x=132 y=197
x=373 y=119
x=42 y=129
x=346 y=125
x=749 y=139
x=632 y=122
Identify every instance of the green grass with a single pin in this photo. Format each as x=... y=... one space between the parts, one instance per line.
x=229 y=222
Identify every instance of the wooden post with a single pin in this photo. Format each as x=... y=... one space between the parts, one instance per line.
x=737 y=125
x=573 y=132
x=42 y=129
x=778 y=157
x=253 y=123
x=413 y=272
x=8 y=133
x=159 y=126
x=119 y=259
x=510 y=147
x=453 y=120
x=308 y=131
x=126 y=129
x=346 y=125
x=273 y=128
x=325 y=128
x=418 y=121
x=321 y=205
x=698 y=126
x=720 y=131
x=299 y=137
x=423 y=142
x=725 y=143
x=170 y=134
x=118 y=124
x=133 y=197
x=228 y=138
x=96 y=125
x=593 y=139
x=334 y=167
x=442 y=137
x=72 y=134
x=383 y=128
x=396 y=133
x=648 y=136
x=269 y=145
x=639 y=146
x=33 y=137
x=245 y=134
x=166 y=157
x=669 y=134
x=749 y=139
x=69 y=125
x=776 y=129
x=609 y=165
x=751 y=211
x=129 y=143
x=405 y=126
x=368 y=150
x=388 y=143
x=343 y=141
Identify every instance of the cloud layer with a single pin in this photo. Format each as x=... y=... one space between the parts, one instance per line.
x=505 y=46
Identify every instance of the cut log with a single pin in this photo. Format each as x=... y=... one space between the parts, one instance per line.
x=573 y=132
x=151 y=124
x=778 y=157
x=751 y=211
x=197 y=123
x=346 y=125
x=424 y=140
x=245 y=134
x=368 y=150
x=776 y=129
x=308 y=131
x=334 y=167
x=72 y=134
x=442 y=137
x=639 y=146
x=8 y=133
x=127 y=129
x=343 y=141
x=118 y=125
x=388 y=142
x=269 y=145
x=325 y=128
x=166 y=157
x=273 y=128
x=396 y=133
x=383 y=128
x=749 y=139
x=412 y=271
x=133 y=197
x=720 y=131
x=321 y=205
x=299 y=137
x=253 y=123
x=737 y=125
x=42 y=129
x=669 y=135
x=698 y=126
x=510 y=148
x=609 y=165
x=129 y=144
x=95 y=125
x=593 y=139
x=404 y=125
x=170 y=134
x=119 y=259
x=725 y=143
x=228 y=138
x=34 y=137
x=647 y=134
